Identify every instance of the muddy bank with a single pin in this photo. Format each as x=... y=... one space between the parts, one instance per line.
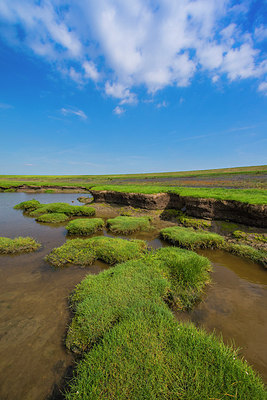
x=230 y=210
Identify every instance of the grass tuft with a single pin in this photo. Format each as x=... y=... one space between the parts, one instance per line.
x=52 y=218
x=191 y=239
x=28 y=205
x=127 y=225
x=85 y=226
x=18 y=245
x=242 y=250
x=86 y=251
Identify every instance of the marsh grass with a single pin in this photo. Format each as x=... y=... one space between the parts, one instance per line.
x=191 y=239
x=18 y=245
x=187 y=272
x=245 y=251
x=127 y=224
x=149 y=355
x=52 y=218
x=135 y=349
x=251 y=196
x=85 y=226
x=86 y=251
x=28 y=205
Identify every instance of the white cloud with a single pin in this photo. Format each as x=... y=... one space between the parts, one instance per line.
x=263 y=88
x=118 y=110
x=163 y=104
x=91 y=71
x=78 y=113
x=137 y=43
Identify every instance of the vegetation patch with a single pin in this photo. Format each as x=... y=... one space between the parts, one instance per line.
x=85 y=226
x=251 y=196
x=86 y=251
x=28 y=205
x=126 y=225
x=52 y=218
x=187 y=272
x=65 y=209
x=191 y=239
x=136 y=349
x=242 y=250
x=18 y=245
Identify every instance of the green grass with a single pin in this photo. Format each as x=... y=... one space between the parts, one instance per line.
x=174 y=275
x=28 y=205
x=52 y=218
x=85 y=226
x=187 y=272
x=149 y=355
x=127 y=225
x=252 y=196
x=194 y=222
x=18 y=245
x=86 y=251
x=34 y=208
x=191 y=239
x=245 y=251
x=135 y=349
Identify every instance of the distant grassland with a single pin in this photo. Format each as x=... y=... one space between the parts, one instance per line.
x=252 y=196
x=179 y=174
x=157 y=183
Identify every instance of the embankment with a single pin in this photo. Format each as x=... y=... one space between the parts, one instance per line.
x=231 y=210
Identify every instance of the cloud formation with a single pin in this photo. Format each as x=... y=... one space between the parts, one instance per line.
x=78 y=113
x=122 y=45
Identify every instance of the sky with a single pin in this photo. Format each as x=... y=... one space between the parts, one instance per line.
x=115 y=86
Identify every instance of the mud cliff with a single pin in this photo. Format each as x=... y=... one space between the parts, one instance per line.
x=235 y=211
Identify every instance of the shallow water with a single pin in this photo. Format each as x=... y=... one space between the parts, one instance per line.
x=34 y=309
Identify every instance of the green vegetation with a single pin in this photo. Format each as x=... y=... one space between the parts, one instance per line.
x=186 y=271
x=194 y=222
x=239 y=234
x=135 y=349
x=52 y=218
x=85 y=226
x=252 y=196
x=18 y=245
x=35 y=209
x=191 y=239
x=242 y=250
x=86 y=251
x=126 y=225
x=28 y=205
x=227 y=226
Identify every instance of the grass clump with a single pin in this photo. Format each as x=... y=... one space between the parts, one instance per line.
x=86 y=251
x=126 y=225
x=242 y=250
x=52 y=218
x=18 y=245
x=64 y=208
x=101 y=301
x=191 y=239
x=187 y=272
x=135 y=349
x=85 y=226
x=194 y=222
x=149 y=355
x=28 y=205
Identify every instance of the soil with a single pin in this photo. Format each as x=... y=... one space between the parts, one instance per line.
x=227 y=210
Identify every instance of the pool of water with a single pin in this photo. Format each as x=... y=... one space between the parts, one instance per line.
x=34 y=304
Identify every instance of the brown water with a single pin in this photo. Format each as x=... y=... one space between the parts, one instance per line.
x=34 y=309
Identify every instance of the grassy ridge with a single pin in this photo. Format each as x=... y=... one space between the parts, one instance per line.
x=18 y=245
x=252 y=196
x=126 y=225
x=135 y=349
x=85 y=226
x=86 y=251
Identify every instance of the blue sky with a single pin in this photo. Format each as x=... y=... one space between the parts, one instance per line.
x=111 y=86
